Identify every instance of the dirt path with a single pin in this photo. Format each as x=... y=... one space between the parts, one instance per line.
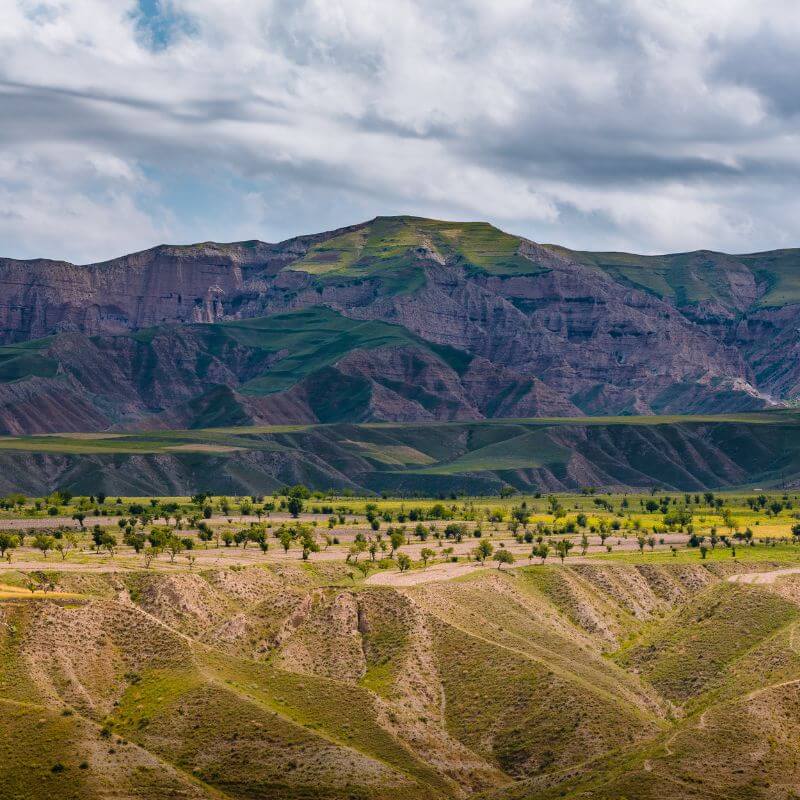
x=436 y=572
x=763 y=577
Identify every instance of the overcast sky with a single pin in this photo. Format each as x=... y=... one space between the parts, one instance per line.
x=644 y=125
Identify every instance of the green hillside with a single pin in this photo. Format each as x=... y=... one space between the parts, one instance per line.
x=312 y=339
x=601 y=679
x=685 y=278
x=385 y=248
x=477 y=457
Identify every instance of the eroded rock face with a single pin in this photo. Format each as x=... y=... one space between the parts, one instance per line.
x=563 y=338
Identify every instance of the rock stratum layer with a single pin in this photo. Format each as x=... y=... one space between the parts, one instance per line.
x=399 y=319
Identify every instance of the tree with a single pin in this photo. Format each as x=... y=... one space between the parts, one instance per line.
x=204 y=533
x=503 y=556
x=364 y=567
x=355 y=550
x=285 y=538
x=174 y=546
x=543 y=550
x=149 y=554
x=484 y=549
x=200 y=498
x=295 y=506
x=7 y=542
x=68 y=542
x=135 y=540
x=563 y=547
x=584 y=544
x=521 y=514
x=403 y=561
x=79 y=517
x=44 y=542
x=308 y=541
x=397 y=539
x=426 y=554
x=703 y=551
x=109 y=542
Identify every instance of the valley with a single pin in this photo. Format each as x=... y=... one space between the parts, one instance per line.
x=410 y=509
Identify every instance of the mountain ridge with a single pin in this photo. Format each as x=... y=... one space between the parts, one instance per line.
x=543 y=330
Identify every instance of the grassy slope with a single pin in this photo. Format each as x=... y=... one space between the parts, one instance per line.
x=765 y=447
x=384 y=249
x=291 y=346
x=685 y=278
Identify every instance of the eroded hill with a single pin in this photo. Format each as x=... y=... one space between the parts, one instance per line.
x=591 y=680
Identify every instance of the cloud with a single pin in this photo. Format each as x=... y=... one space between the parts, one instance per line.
x=594 y=123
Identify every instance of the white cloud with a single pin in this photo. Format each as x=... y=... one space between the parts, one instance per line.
x=590 y=122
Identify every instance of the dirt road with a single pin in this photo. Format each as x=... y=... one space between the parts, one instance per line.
x=763 y=577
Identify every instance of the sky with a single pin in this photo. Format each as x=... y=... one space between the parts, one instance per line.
x=639 y=125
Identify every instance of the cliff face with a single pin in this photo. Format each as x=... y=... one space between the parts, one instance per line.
x=475 y=323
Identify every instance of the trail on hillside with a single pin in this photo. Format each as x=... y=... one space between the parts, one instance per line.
x=436 y=572
x=763 y=577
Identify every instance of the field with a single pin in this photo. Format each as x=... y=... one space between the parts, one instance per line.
x=303 y=644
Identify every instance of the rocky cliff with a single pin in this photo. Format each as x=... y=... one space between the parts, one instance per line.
x=396 y=319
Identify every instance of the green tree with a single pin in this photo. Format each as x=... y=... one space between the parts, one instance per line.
x=503 y=556
x=426 y=554
x=403 y=561
x=109 y=542
x=174 y=546
x=135 y=540
x=484 y=549
x=295 y=506
x=285 y=538
x=397 y=539
x=44 y=542
x=8 y=541
x=67 y=543
x=563 y=547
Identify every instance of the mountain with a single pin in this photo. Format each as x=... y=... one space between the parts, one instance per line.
x=400 y=319
x=602 y=680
